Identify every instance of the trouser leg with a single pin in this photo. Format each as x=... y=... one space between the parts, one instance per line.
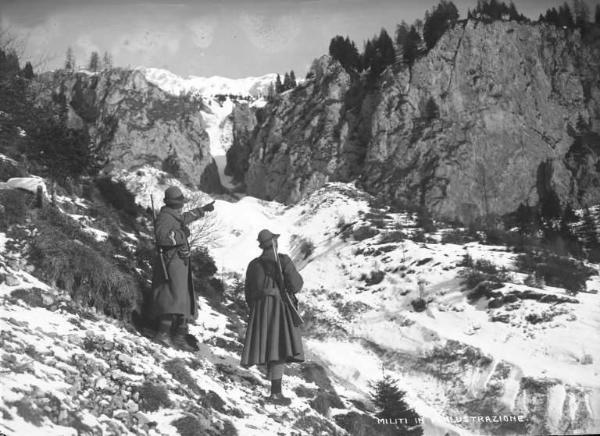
x=275 y=370
x=181 y=338
x=180 y=326
x=165 y=323
x=163 y=334
x=275 y=374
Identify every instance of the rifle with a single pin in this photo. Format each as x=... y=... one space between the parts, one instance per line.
x=160 y=252
x=296 y=318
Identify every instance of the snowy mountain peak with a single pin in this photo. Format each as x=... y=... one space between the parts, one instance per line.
x=209 y=86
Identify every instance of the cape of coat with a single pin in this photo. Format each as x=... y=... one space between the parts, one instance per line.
x=176 y=295
x=271 y=335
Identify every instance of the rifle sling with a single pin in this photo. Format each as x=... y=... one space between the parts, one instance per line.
x=272 y=271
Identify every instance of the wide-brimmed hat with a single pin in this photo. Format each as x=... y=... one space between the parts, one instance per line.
x=265 y=237
x=174 y=197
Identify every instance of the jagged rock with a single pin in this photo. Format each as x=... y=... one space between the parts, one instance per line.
x=143 y=420
x=315 y=373
x=12 y=280
x=12 y=263
x=514 y=104
x=63 y=416
x=120 y=414
x=303 y=391
x=317 y=426
x=101 y=384
x=324 y=401
x=125 y=360
x=502 y=317
x=212 y=400
x=134 y=122
x=10 y=168
x=132 y=406
x=327 y=396
x=494 y=303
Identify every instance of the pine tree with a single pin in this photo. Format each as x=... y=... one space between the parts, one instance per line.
x=94 y=61
x=550 y=208
x=286 y=82
x=565 y=17
x=386 y=47
x=63 y=153
x=271 y=92
x=552 y=17
x=389 y=400
x=278 y=84
x=336 y=48
x=514 y=15
x=293 y=79
x=402 y=33
x=369 y=54
x=569 y=216
x=411 y=48
x=564 y=231
x=497 y=10
x=441 y=18
x=526 y=220
x=28 y=71
x=424 y=220
x=581 y=13
x=70 y=60
x=107 y=62
x=345 y=51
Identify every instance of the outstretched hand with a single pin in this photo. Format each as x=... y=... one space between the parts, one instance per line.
x=209 y=207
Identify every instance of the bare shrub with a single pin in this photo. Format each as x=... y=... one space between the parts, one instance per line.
x=88 y=276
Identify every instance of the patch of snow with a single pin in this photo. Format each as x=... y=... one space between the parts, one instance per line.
x=30 y=184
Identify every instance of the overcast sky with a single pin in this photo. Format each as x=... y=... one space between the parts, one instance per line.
x=233 y=38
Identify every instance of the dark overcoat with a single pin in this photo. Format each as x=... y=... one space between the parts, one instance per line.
x=176 y=295
x=271 y=335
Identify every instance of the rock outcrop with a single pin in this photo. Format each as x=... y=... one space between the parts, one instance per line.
x=493 y=116
x=301 y=143
x=133 y=122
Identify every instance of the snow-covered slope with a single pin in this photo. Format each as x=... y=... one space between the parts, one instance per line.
x=525 y=367
x=210 y=86
x=373 y=321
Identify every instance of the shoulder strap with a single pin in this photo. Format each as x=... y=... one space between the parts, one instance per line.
x=270 y=269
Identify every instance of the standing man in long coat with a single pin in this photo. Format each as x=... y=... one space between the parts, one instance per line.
x=271 y=339
x=173 y=298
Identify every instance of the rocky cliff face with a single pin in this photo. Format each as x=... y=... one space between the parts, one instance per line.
x=493 y=116
x=302 y=140
x=133 y=122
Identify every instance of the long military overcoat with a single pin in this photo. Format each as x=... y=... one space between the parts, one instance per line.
x=271 y=335
x=175 y=295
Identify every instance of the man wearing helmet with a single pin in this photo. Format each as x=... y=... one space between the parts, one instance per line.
x=272 y=337
x=173 y=299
